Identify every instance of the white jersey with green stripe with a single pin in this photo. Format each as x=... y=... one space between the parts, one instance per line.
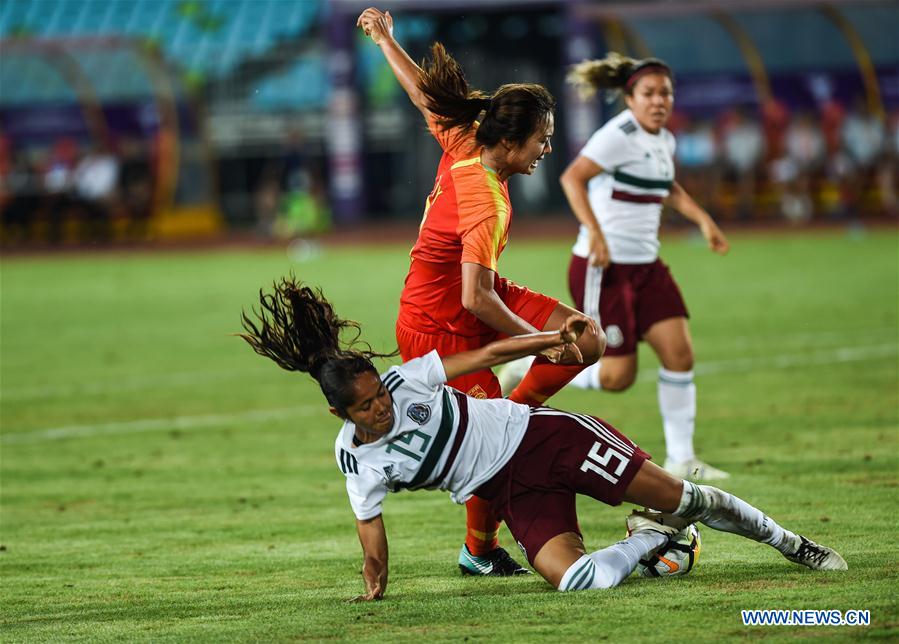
x=638 y=171
x=437 y=440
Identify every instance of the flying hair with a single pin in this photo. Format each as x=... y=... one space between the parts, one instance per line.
x=611 y=73
x=449 y=95
x=297 y=328
x=514 y=112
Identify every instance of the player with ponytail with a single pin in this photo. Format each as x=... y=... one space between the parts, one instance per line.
x=454 y=299
x=616 y=188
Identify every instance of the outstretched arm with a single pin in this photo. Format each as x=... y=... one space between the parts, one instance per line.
x=378 y=26
x=373 y=538
x=685 y=205
x=516 y=347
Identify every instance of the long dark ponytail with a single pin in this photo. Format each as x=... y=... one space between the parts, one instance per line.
x=297 y=328
x=514 y=112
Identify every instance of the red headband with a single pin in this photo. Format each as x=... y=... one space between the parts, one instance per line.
x=651 y=68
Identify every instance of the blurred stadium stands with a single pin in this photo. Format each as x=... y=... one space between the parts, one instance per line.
x=172 y=118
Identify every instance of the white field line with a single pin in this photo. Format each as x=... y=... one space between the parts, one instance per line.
x=180 y=423
x=197 y=378
x=787 y=361
x=846 y=354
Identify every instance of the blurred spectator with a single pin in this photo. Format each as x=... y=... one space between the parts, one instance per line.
x=302 y=210
x=57 y=184
x=796 y=170
x=267 y=198
x=836 y=192
x=805 y=143
x=863 y=135
x=96 y=181
x=832 y=116
x=775 y=119
x=743 y=144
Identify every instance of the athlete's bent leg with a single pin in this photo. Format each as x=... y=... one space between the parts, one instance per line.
x=715 y=508
x=544 y=378
x=564 y=563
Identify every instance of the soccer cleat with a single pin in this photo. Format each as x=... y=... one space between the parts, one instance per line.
x=667 y=519
x=511 y=373
x=650 y=520
x=817 y=557
x=695 y=470
x=496 y=563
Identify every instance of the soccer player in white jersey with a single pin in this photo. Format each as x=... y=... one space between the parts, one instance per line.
x=406 y=430
x=616 y=187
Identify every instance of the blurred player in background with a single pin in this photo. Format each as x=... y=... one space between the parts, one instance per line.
x=616 y=188
x=453 y=299
x=407 y=430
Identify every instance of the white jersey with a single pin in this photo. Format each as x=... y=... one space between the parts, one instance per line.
x=638 y=171
x=440 y=439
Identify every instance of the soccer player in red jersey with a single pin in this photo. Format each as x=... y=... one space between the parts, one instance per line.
x=453 y=299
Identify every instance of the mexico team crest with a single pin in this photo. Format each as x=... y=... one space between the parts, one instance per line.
x=614 y=336
x=419 y=412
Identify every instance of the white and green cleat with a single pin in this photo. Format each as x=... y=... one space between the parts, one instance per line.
x=817 y=557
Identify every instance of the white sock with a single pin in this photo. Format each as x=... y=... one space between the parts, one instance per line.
x=608 y=567
x=723 y=511
x=677 y=402
x=588 y=378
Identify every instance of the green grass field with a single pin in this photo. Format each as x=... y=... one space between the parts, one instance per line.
x=161 y=482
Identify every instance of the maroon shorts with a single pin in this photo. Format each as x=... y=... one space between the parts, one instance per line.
x=626 y=299
x=535 y=308
x=562 y=454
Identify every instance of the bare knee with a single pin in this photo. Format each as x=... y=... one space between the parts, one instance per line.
x=679 y=360
x=557 y=555
x=615 y=380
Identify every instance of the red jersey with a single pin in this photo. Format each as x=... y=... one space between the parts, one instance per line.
x=466 y=219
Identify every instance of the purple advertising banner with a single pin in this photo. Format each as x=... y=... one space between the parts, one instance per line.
x=709 y=94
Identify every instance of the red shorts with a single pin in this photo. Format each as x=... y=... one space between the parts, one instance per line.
x=626 y=299
x=534 y=308
x=562 y=454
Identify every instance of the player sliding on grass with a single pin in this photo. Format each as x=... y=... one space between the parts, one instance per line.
x=406 y=429
x=454 y=299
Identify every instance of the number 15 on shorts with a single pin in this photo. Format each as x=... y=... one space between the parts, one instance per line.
x=609 y=464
